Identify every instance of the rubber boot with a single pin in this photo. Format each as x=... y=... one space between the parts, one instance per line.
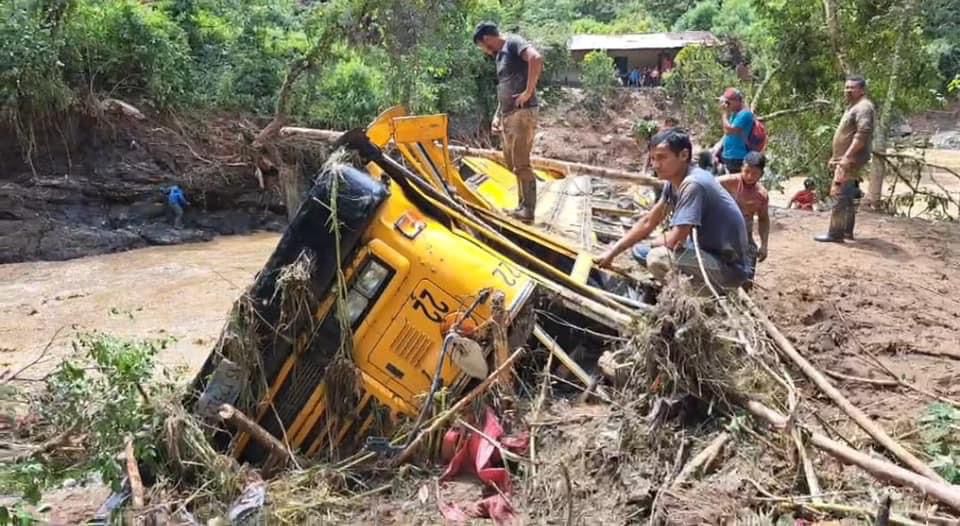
x=526 y=212
x=851 y=222
x=838 y=223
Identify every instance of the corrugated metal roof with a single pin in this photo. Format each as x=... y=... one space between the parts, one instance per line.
x=642 y=41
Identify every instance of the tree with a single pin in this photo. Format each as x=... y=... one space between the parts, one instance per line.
x=598 y=76
x=908 y=20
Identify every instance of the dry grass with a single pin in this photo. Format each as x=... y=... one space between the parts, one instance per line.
x=683 y=352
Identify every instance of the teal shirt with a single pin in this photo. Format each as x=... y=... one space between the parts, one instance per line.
x=735 y=146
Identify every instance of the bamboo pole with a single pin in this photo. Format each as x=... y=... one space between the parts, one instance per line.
x=544 y=163
x=561 y=355
x=862 y=420
x=880 y=469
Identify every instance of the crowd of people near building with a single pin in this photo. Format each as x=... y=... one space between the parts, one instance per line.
x=647 y=77
x=709 y=202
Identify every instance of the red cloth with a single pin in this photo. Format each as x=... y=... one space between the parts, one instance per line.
x=805 y=199
x=477 y=456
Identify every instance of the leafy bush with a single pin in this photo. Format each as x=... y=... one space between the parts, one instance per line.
x=101 y=393
x=696 y=81
x=598 y=77
x=700 y=18
x=351 y=93
x=941 y=440
x=124 y=46
x=31 y=84
x=644 y=129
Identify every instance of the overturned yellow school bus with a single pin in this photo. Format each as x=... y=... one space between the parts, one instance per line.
x=385 y=269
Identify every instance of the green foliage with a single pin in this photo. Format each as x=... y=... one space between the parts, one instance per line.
x=597 y=75
x=696 y=81
x=17 y=516
x=954 y=85
x=940 y=428
x=31 y=84
x=103 y=390
x=352 y=95
x=125 y=46
x=700 y=18
x=667 y=11
x=644 y=129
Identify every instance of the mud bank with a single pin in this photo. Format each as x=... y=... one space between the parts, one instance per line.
x=97 y=185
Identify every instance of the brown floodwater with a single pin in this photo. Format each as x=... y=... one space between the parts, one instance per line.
x=183 y=292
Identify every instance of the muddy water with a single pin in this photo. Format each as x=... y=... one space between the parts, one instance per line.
x=183 y=291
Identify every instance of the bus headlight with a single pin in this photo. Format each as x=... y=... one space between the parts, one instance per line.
x=355 y=305
x=364 y=289
x=370 y=279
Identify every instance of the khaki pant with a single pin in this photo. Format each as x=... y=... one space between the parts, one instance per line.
x=519 y=130
x=661 y=260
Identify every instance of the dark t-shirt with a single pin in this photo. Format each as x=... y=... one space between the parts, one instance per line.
x=701 y=202
x=512 y=74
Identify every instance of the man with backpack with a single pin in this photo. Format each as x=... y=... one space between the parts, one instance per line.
x=742 y=133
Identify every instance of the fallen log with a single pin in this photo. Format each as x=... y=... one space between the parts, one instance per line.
x=880 y=469
x=133 y=475
x=543 y=163
x=236 y=418
x=858 y=416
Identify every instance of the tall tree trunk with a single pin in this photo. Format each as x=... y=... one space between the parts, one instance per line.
x=833 y=27
x=882 y=126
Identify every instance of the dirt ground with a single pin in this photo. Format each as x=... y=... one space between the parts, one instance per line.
x=894 y=291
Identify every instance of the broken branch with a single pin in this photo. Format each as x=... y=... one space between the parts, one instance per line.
x=561 y=355
x=133 y=475
x=702 y=459
x=858 y=416
x=872 y=381
x=235 y=417
x=840 y=509
x=880 y=469
x=813 y=485
x=442 y=418
x=40 y=356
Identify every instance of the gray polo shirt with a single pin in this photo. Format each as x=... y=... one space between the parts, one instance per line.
x=512 y=74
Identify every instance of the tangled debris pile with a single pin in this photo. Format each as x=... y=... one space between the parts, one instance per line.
x=669 y=442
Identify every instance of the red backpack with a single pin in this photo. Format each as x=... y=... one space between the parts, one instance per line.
x=757 y=140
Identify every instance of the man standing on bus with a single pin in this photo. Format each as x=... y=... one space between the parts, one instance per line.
x=519 y=65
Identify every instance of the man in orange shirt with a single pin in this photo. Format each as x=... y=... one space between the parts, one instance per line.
x=753 y=201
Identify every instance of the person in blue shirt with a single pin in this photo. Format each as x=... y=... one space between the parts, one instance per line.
x=738 y=124
x=698 y=202
x=176 y=201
